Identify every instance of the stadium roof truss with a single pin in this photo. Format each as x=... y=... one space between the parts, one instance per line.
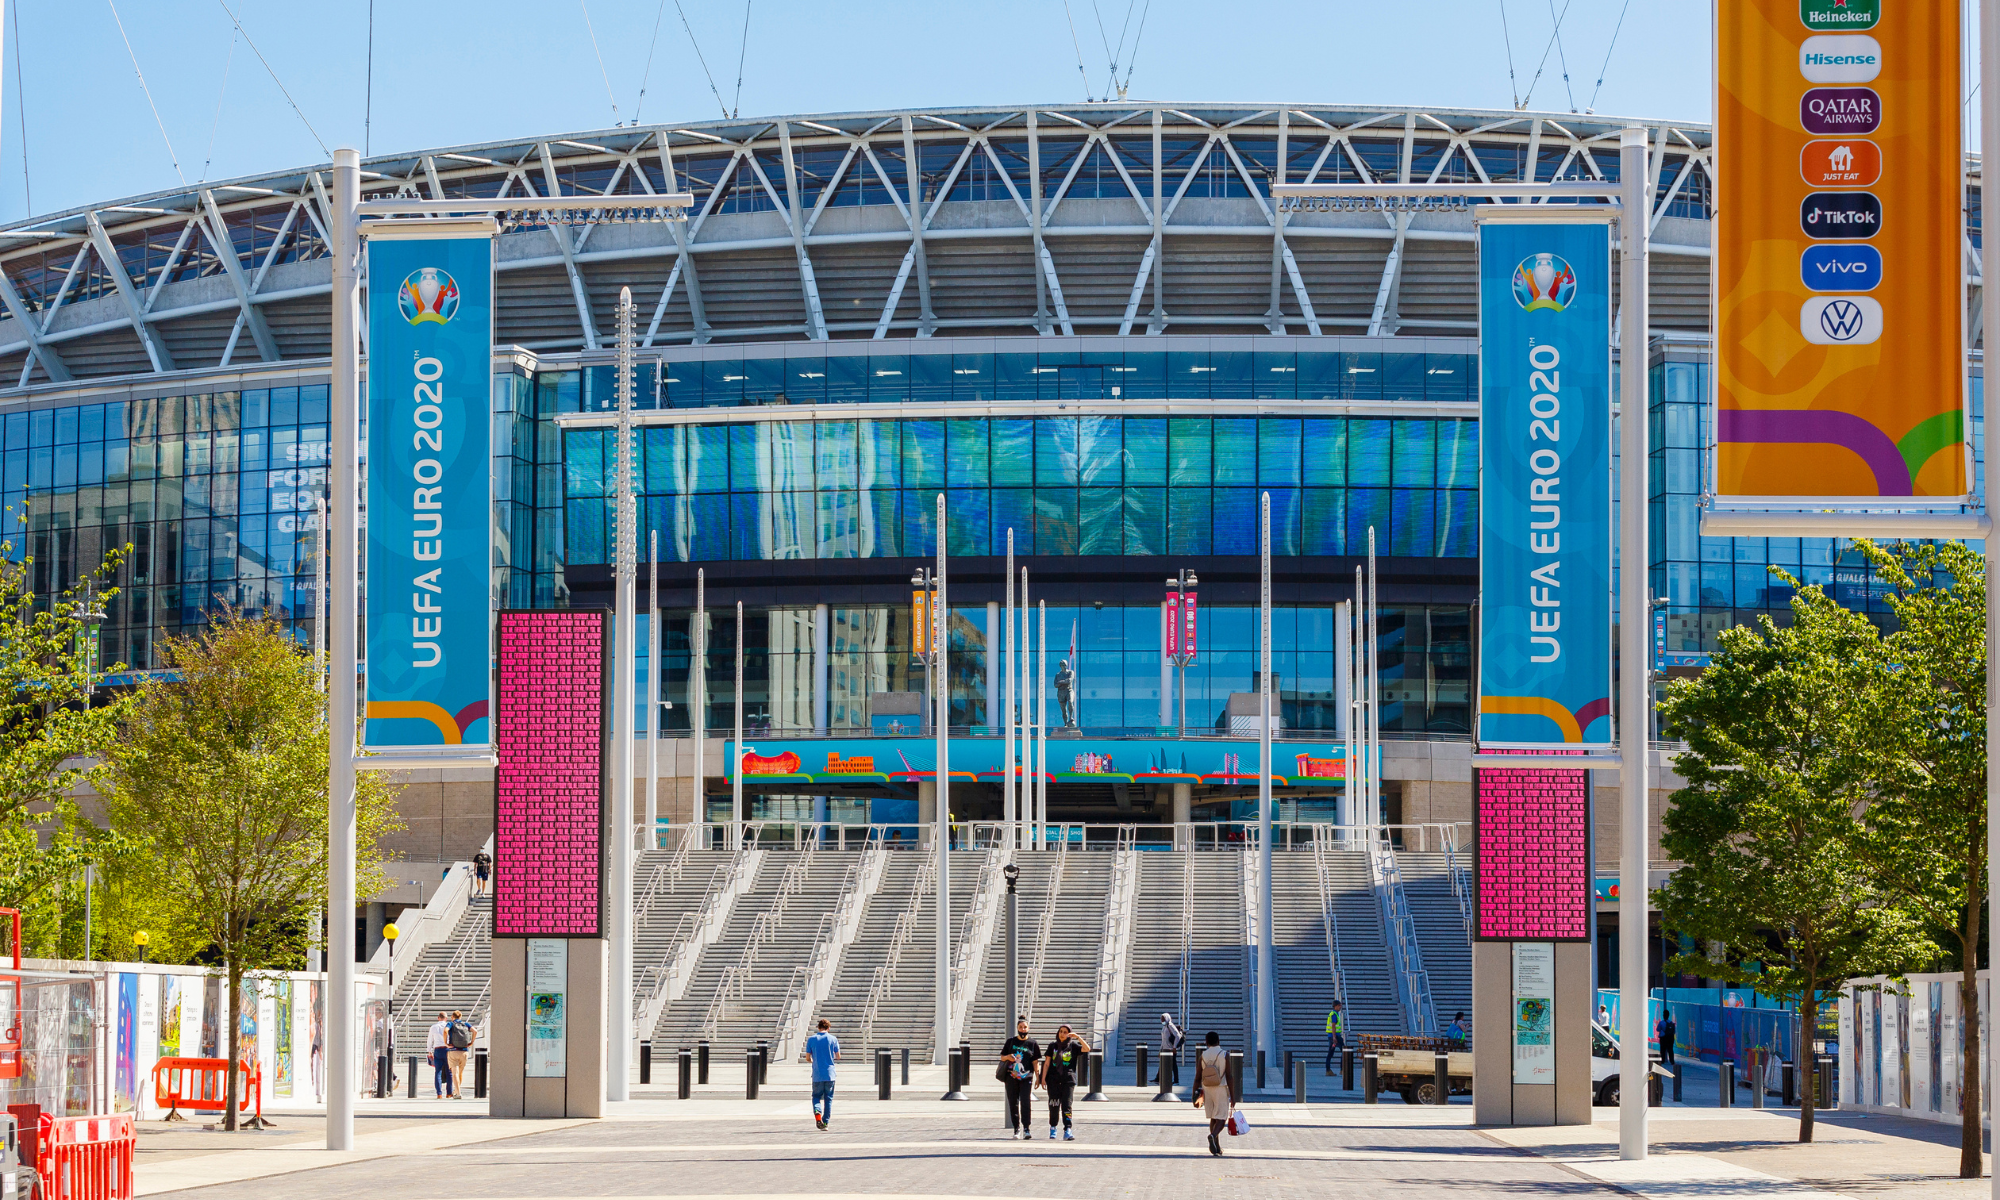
x=1052 y=220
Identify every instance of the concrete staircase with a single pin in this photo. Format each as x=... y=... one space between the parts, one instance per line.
x=898 y=975
x=1203 y=916
x=1060 y=928
x=454 y=975
x=1364 y=955
x=1440 y=931
x=1305 y=974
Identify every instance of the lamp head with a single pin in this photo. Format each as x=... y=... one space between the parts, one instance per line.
x=142 y=939
x=390 y=931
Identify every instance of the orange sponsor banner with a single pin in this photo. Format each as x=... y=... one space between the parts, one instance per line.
x=774 y=764
x=1839 y=251
x=853 y=764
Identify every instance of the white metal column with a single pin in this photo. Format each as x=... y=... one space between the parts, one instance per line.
x=1267 y=945
x=1634 y=613
x=822 y=695
x=656 y=691
x=1343 y=696
x=941 y=724
x=624 y=693
x=342 y=514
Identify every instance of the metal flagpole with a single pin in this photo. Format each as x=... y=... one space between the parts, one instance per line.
x=655 y=689
x=1989 y=259
x=1267 y=1013
x=1010 y=813
x=618 y=996
x=941 y=790
x=736 y=767
x=1634 y=611
x=1373 y=750
x=1343 y=673
x=698 y=691
x=343 y=512
x=1027 y=695
x=318 y=959
x=1042 y=733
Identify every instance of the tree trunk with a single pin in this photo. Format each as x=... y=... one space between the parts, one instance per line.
x=1970 y=1164
x=1808 y=1015
x=233 y=980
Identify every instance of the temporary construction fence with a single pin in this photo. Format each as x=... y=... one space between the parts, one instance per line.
x=1902 y=1046
x=85 y=1158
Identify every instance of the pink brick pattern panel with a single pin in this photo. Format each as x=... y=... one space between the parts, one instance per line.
x=1533 y=860
x=548 y=783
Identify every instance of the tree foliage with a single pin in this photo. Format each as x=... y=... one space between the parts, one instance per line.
x=220 y=769
x=1776 y=883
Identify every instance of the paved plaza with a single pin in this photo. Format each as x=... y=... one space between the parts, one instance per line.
x=718 y=1144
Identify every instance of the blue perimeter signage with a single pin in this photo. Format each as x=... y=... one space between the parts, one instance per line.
x=1545 y=479
x=430 y=511
x=864 y=759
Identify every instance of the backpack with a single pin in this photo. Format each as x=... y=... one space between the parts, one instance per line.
x=458 y=1035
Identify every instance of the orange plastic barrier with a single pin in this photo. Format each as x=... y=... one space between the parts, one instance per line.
x=197 y=1084
x=86 y=1158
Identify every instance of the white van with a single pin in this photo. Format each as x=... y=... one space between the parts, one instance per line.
x=1604 y=1067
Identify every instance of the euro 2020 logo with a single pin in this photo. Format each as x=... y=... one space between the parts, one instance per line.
x=1544 y=281
x=429 y=294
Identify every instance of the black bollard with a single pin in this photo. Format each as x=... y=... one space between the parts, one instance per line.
x=1788 y=1091
x=1759 y=1066
x=953 y=1059
x=1678 y=1074
x=1094 y=1064
x=1347 y=1070
x=1287 y=1065
x=1725 y=1084
x=1298 y=1081
x=684 y=1063
x=645 y=1060
x=884 y=1064
x=1236 y=1070
x=905 y=1080
x=1139 y=1060
x=479 y=1070
x=750 y=1065
x=381 y=1077
x=763 y=1061
x=1823 y=1081
x=1260 y=1068
x=1368 y=1078
x=701 y=1061
x=413 y=1076
x=1441 y=1078
x=1166 y=1093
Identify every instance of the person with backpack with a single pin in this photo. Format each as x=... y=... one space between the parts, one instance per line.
x=438 y=1050
x=458 y=1038
x=482 y=872
x=1171 y=1040
x=1214 y=1089
x=1060 y=1064
x=1020 y=1059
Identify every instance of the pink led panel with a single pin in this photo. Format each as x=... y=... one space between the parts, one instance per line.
x=1533 y=860
x=548 y=785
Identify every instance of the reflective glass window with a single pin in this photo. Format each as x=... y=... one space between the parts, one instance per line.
x=923 y=454
x=1361 y=375
x=846 y=378
x=805 y=380
x=1187 y=374
x=1278 y=451
x=888 y=378
x=1235 y=520
x=764 y=381
x=1055 y=452
x=1274 y=374
x=1235 y=451
x=1017 y=377
x=1101 y=520
x=972 y=378
x=1146 y=450
x=1013 y=452
x=1415 y=453
x=722 y=381
x=1368 y=454
x=1403 y=376
x=965 y=453
x=1229 y=374
x=1190 y=451
x=1100 y=451
x=930 y=377
x=879 y=452
x=1055 y=520
x=1142 y=377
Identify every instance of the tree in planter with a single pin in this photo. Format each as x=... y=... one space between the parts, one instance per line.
x=1927 y=826
x=1775 y=872
x=222 y=770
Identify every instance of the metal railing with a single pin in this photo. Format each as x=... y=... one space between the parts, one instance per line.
x=1400 y=929
x=1074 y=835
x=734 y=986
x=883 y=984
x=1108 y=1002
x=1187 y=935
x=657 y=981
x=1323 y=847
x=440 y=984
x=1461 y=884
x=969 y=958
x=1044 y=934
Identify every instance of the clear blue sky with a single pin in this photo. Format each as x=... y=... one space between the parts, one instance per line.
x=453 y=71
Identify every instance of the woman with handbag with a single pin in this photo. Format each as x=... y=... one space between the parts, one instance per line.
x=1017 y=1070
x=1214 y=1089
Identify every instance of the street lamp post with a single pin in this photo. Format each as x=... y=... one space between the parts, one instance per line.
x=1182 y=587
x=1013 y=874
x=140 y=940
x=389 y=934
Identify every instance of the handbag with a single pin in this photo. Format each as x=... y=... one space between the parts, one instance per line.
x=1238 y=1123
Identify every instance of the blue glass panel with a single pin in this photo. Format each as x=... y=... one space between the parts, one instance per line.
x=1458 y=454
x=584 y=466
x=1143 y=377
x=1448 y=376
x=1367 y=507
x=1055 y=521
x=923 y=454
x=881 y=524
x=722 y=381
x=794 y=525
x=836 y=463
x=1102 y=526
x=968 y=513
x=1416 y=454
x=1278 y=451
x=805 y=380
x=14 y=470
x=1229 y=374
x=1323 y=529
x=930 y=377
x=1145 y=520
x=920 y=524
x=683 y=384
x=90 y=463
x=41 y=427
x=17 y=431
x=764 y=380
x=1459 y=514
x=1325 y=451
x=1321 y=375
x=1014 y=508
x=1403 y=376
x=584 y=536
x=746 y=524
x=313 y=404
x=1013 y=452
x=1190 y=451
x=1361 y=376
x=746 y=464
x=1146 y=450
x=1100 y=451
x=879 y=450
x=1285 y=519
x=1055 y=452
x=65 y=475
x=888 y=378
x=1187 y=374
x=972 y=378
x=1368 y=452
x=846 y=379
x=90 y=426
x=1235 y=520
x=668 y=517
x=965 y=453
x=790 y=455
x=1235 y=452
x=660 y=449
x=708 y=458
x=1412 y=523
x=1274 y=374
x=1017 y=377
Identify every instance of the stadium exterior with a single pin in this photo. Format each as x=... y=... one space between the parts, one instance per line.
x=1084 y=323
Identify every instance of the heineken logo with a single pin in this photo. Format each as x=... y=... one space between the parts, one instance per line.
x=1839 y=14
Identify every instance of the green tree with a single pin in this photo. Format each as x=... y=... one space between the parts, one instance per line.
x=221 y=771
x=1776 y=885
x=1927 y=825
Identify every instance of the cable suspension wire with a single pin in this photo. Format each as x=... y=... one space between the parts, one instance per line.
x=1529 y=95
x=736 y=105
x=1592 y=106
x=175 y=158
x=368 y=103
x=1136 y=38
x=208 y=156
x=21 y=108
x=268 y=70
x=592 y=31
x=1104 y=39
x=646 y=78
x=703 y=60
x=1562 y=56
x=1507 y=40
x=1079 y=52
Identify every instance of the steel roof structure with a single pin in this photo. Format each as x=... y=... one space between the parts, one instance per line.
x=1130 y=218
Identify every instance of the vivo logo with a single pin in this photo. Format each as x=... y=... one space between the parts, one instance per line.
x=1834 y=268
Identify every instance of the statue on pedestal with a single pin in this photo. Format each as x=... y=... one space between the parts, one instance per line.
x=1066 y=694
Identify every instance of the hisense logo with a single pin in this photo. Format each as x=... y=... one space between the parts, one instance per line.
x=1840 y=58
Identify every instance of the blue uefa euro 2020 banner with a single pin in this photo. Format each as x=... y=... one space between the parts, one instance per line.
x=430 y=351
x=1545 y=483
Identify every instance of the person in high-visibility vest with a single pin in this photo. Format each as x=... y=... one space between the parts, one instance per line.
x=1336 y=1034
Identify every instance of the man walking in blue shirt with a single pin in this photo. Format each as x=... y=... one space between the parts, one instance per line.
x=824 y=1050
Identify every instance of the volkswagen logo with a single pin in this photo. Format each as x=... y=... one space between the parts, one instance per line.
x=1842 y=320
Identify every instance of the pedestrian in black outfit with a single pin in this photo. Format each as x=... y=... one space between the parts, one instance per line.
x=1667 y=1031
x=1060 y=1065
x=1018 y=1060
